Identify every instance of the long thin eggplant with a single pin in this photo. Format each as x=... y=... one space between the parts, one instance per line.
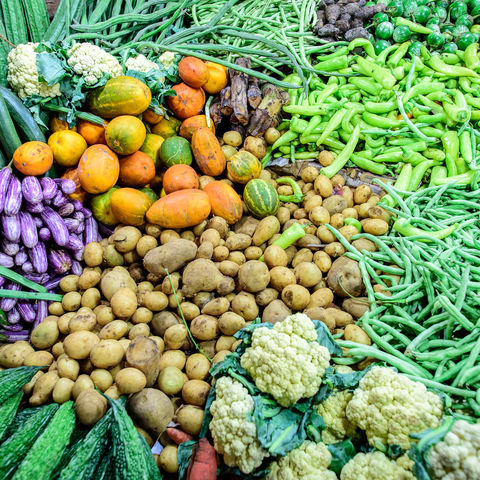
x=11 y=227
x=77 y=268
x=42 y=312
x=38 y=257
x=37 y=221
x=49 y=188
x=34 y=207
x=91 y=230
x=21 y=257
x=53 y=282
x=29 y=232
x=66 y=210
x=71 y=224
x=59 y=200
x=75 y=244
x=32 y=190
x=26 y=310
x=44 y=234
x=66 y=185
x=6 y=260
x=54 y=222
x=5 y=176
x=10 y=248
x=6 y=304
x=13 y=200
x=27 y=267
x=59 y=261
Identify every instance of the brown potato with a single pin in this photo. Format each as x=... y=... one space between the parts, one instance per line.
x=90 y=407
x=295 y=297
x=38 y=359
x=175 y=336
x=104 y=315
x=102 y=379
x=93 y=254
x=280 y=277
x=244 y=305
x=238 y=241
x=91 y=298
x=265 y=230
x=130 y=380
x=115 y=279
x=167 y=460
x=321 y=298
x=173 y=358
x=195 y=392
x=204 y=327
x=325 y=158
x=253 y=276
x=356 y=307
x=275 y=256
x=69 y=283
x=266 y=296
x=318 y=313
x=82 y=383
x=362 y=194
x=325 y=235
x=57 y=349
x=139 y=330
x=307 y=274
x=71 y=301
x=230 y=323
x=275 y=311
x=353 y=333
x=107 y=354
x=114 y=330
x=161 y=321
x=216 y=307
x=323 y=186
x=348 y=231
x=124 y=302
x=334 y=249
x=44 y=335
x=375 y=226
x=335 y=204
x=190 y=418
x=68 y=367
x=145 y=244
x=113 y=392
x=62 y=392
x=144 y=354
x=78 y=345
x=322 y=261
x=84 y=319
x=302 y=255
x=345 y=278
x=43 y=388
x=12 y=356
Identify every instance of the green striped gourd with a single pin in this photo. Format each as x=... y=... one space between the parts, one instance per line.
x=261 y=198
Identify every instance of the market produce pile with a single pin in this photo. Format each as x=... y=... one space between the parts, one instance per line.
x=239 y=240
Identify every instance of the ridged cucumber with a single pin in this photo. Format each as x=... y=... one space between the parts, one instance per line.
x=13 y=379
x=22 y=116
x=152 y=467
x=18 y=444
x=47 y=451
x=8 y=409
x=8 y=135
x=20 y=418
x=75 y=441
x=15 y=23
x=107 y=466
x=37 y=17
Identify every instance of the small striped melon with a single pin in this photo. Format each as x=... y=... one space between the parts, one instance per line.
x=243 y=166
x=260 y=198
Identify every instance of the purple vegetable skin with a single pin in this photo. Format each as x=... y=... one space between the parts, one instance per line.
x=16 y=336
x=38 y=257
x=21 y=257
x=75 y=244
x=2 y=281
x=13 y=316
x=78 y=216
x=59 y=261
x=66 y=210
x=71 y=224
x=44 y=234
x=32 y=190
x=13 y=327
x=77 y=268
x=29 y=230
x=26 y=310
x=59 y=200
x=6 y=260
x=42 y=312
x=11 y=227
x=66 y=185
x=5 y=176
x=10 y=248
x=49 y=188
x=91 y=230
x=13 y=200
x=34 y=207
x=39 y=278
x=6 y=304
x=54 y=222
x=52 y=283
x=27 y=267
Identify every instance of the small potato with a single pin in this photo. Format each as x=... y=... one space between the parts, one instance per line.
x=130 y=380
x=216 y=307
x=335 y=204
x=12 y=356
x=161 y=321
x=335 y=249
x=204 y=327
x=228 y=268
x=311 y=202
x=356 y=307
x=348 y=231
x=283 y=215
x=113 y=392
x=230 y=323
x=325 y=158
x=190 y=418
x=142 y=315
x=220 y=253
x=338 y=180
x=38 y=359
x=238 y=241
x=275 y=311
x=253 y=276
x=364 y=244
x=93 y=254
x=155 y=301
x=224 y=342
x=350 y=213
x=170 y=380
x=175 y=336
x=325 y=235
x=68 y=368
x=255 y=145
x=357 y=335
x=337 y=220
x=347 y=194
x=102 y=379
x=244 y=305
x=342 y=319
x=375 y=226
x=228 y=151
x=197 y=367
x=106 y=354
x=62 y=392
x=295 y=297
x=125 y=343
x=253 y=253
x=145 y=244
x=82 y=320
x=265 y=230
x=78 y=345
x=57 y=349
x=323 y=186
x=139 y=330
x=307 y=274
x=232 y=138
x=205 y=250
x=226 y=286
x=168 y=236
x=173 y=358
x=43 y=388
x=124 y=303
x=323 y=297
x=363 y=210
x=56 y=309
x=112 y=257
x=302 y=255
x=266 y=296
x=309 y=174
x=275 y=256
x=114 y=330
x=318 y=313
x=104 y=315
x=82 y=383
x=71 y=301
x=212 y=236
x=195 y=392
x=271 y=135
x=167 y=460
x=91 y=298
x=280 y=277
x=125 y=239
x=90 y=407
x=64 y=322
x=220 y=356
x=322 y=261
x=362 y=194
x=69 y=283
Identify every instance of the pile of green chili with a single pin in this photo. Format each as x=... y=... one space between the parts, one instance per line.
x=424 y=309
x=399 y=107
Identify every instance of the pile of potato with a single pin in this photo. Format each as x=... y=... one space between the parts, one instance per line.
x=122 y=324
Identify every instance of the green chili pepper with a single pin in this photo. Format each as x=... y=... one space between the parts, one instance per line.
x=362 y=43
x=472 y=59
x=332 y=65
x=472 y=101
x=354 y=222
x=332 y=125
x=466 y=147
x=366 y=84
x=419 y=172
x=463 y=179
x=437 y=174
x=344 y=155
x=382 y=56
x=285 y=139
x=461 y=166
x=379 y=121
x=380 y=107
x=402 y=183
x=450 y=58
x=414 y=27
x=434 y=154
x=459 y=111
x=297 y=196
x=424 y=88
x=400 y=52
x=432 y=132
x=369 y=165
x=307 y=110
x=294 y=93
x=450 y=70
x=402 y=226
x=289 y=237
x=451 y=145
x=380 y=74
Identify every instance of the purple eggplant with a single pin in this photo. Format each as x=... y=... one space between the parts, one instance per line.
x=16 y=336
x=78 y=255
x=10 y=248
x=54 y=222
x=77 y=205
x=78 y=216
x=104 y=230
x=49 y=188
x=6 y=260
x=32 y=190
x=77 y=268
x=80 y=229
x=13 y=316
x=14 y=327
x=38 y=257
x=21 y=257
x=34 y=207
x=59 y=200
x=5 y=176
x=27 y=267
x=53 y=283
x=91 y=230
x=74 y=243
x=66 y=185
x=11 y=227
x=71 y=224
x=66 y=210
x=26 y=310
x=6 y=304
x=86 y=212
x=3 y=280
x=59 y=261
x=42 y=312
x=44 y=234
x=13 y=200
x=39 y=278
x=37 y=221
x=29 y=230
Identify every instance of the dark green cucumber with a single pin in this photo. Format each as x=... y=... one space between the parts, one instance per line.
x=13 y=379
x=152 y=467
x=8 y=409
x=14 y=449
x=4 y=49
x=3 y=158
x=22 y=116
x=128 y=452
x=47 y=451
x=8 y=135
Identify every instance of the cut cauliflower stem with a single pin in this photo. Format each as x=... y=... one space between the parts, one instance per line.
x=457 y=457
x=376 y=466
x=390 y=407
x=286 y=361
x=92 y=62
x=310 y=461
x=233 y=433
x=141 y=63
x=23 y=73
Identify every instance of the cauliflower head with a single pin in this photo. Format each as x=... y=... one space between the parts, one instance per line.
x=141 y=63
x=167 y=59
x=333 y=412
x=234 y=435
x=23 y=74
x=286 y=361
x=376 y=466
x=390 y=407
x=457 y=457
x=310 y=461
x=92 y=62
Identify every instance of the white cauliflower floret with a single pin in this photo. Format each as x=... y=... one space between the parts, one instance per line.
x=141 y=63
x=167 y=59
x=390 y=407
x=23 y=73
x=376 y=466
x=333 y=412
x=457 y=457
x=92 y=62
x=286 y=361
x=310 y=461
x=234 y=435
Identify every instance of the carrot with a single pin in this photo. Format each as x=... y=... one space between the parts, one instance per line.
x=203 y=465
x=178 y=436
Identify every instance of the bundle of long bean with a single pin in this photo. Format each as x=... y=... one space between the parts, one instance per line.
x=422 y=284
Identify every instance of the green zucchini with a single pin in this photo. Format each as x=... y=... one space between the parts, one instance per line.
x=13 y=379
x=20 y=418
x=8 y=135
x=14 y=449
x=129 y=459
x=22 y=116
x=152 y=467
x=37 y=17
x=47 y=451
x=15 y=23
x=8 y=409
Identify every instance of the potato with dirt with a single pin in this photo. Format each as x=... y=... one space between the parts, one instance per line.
x=253 y=276
x=171 y=256
x=275 y=311
x=201 y=275
x=265 y=230
x=115 y=279
x=144 y=354
x=345 y=279
x=90 y=407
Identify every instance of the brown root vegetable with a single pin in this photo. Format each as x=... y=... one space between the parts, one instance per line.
x=117 y=278
x=172 y=256
x=345 y=279
x=130 y=380
x=265 y=230
x=90 y=407
x=201 y=275
x=144 y=354
x=195 y=392
x=230 y=323
x=275 y=311
x=78 y=345
x=244 y=305
x=295 y=297
x=253 y=276
x=171 y=380
x=190 y=418
x=356 y=307
x=107 y=354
